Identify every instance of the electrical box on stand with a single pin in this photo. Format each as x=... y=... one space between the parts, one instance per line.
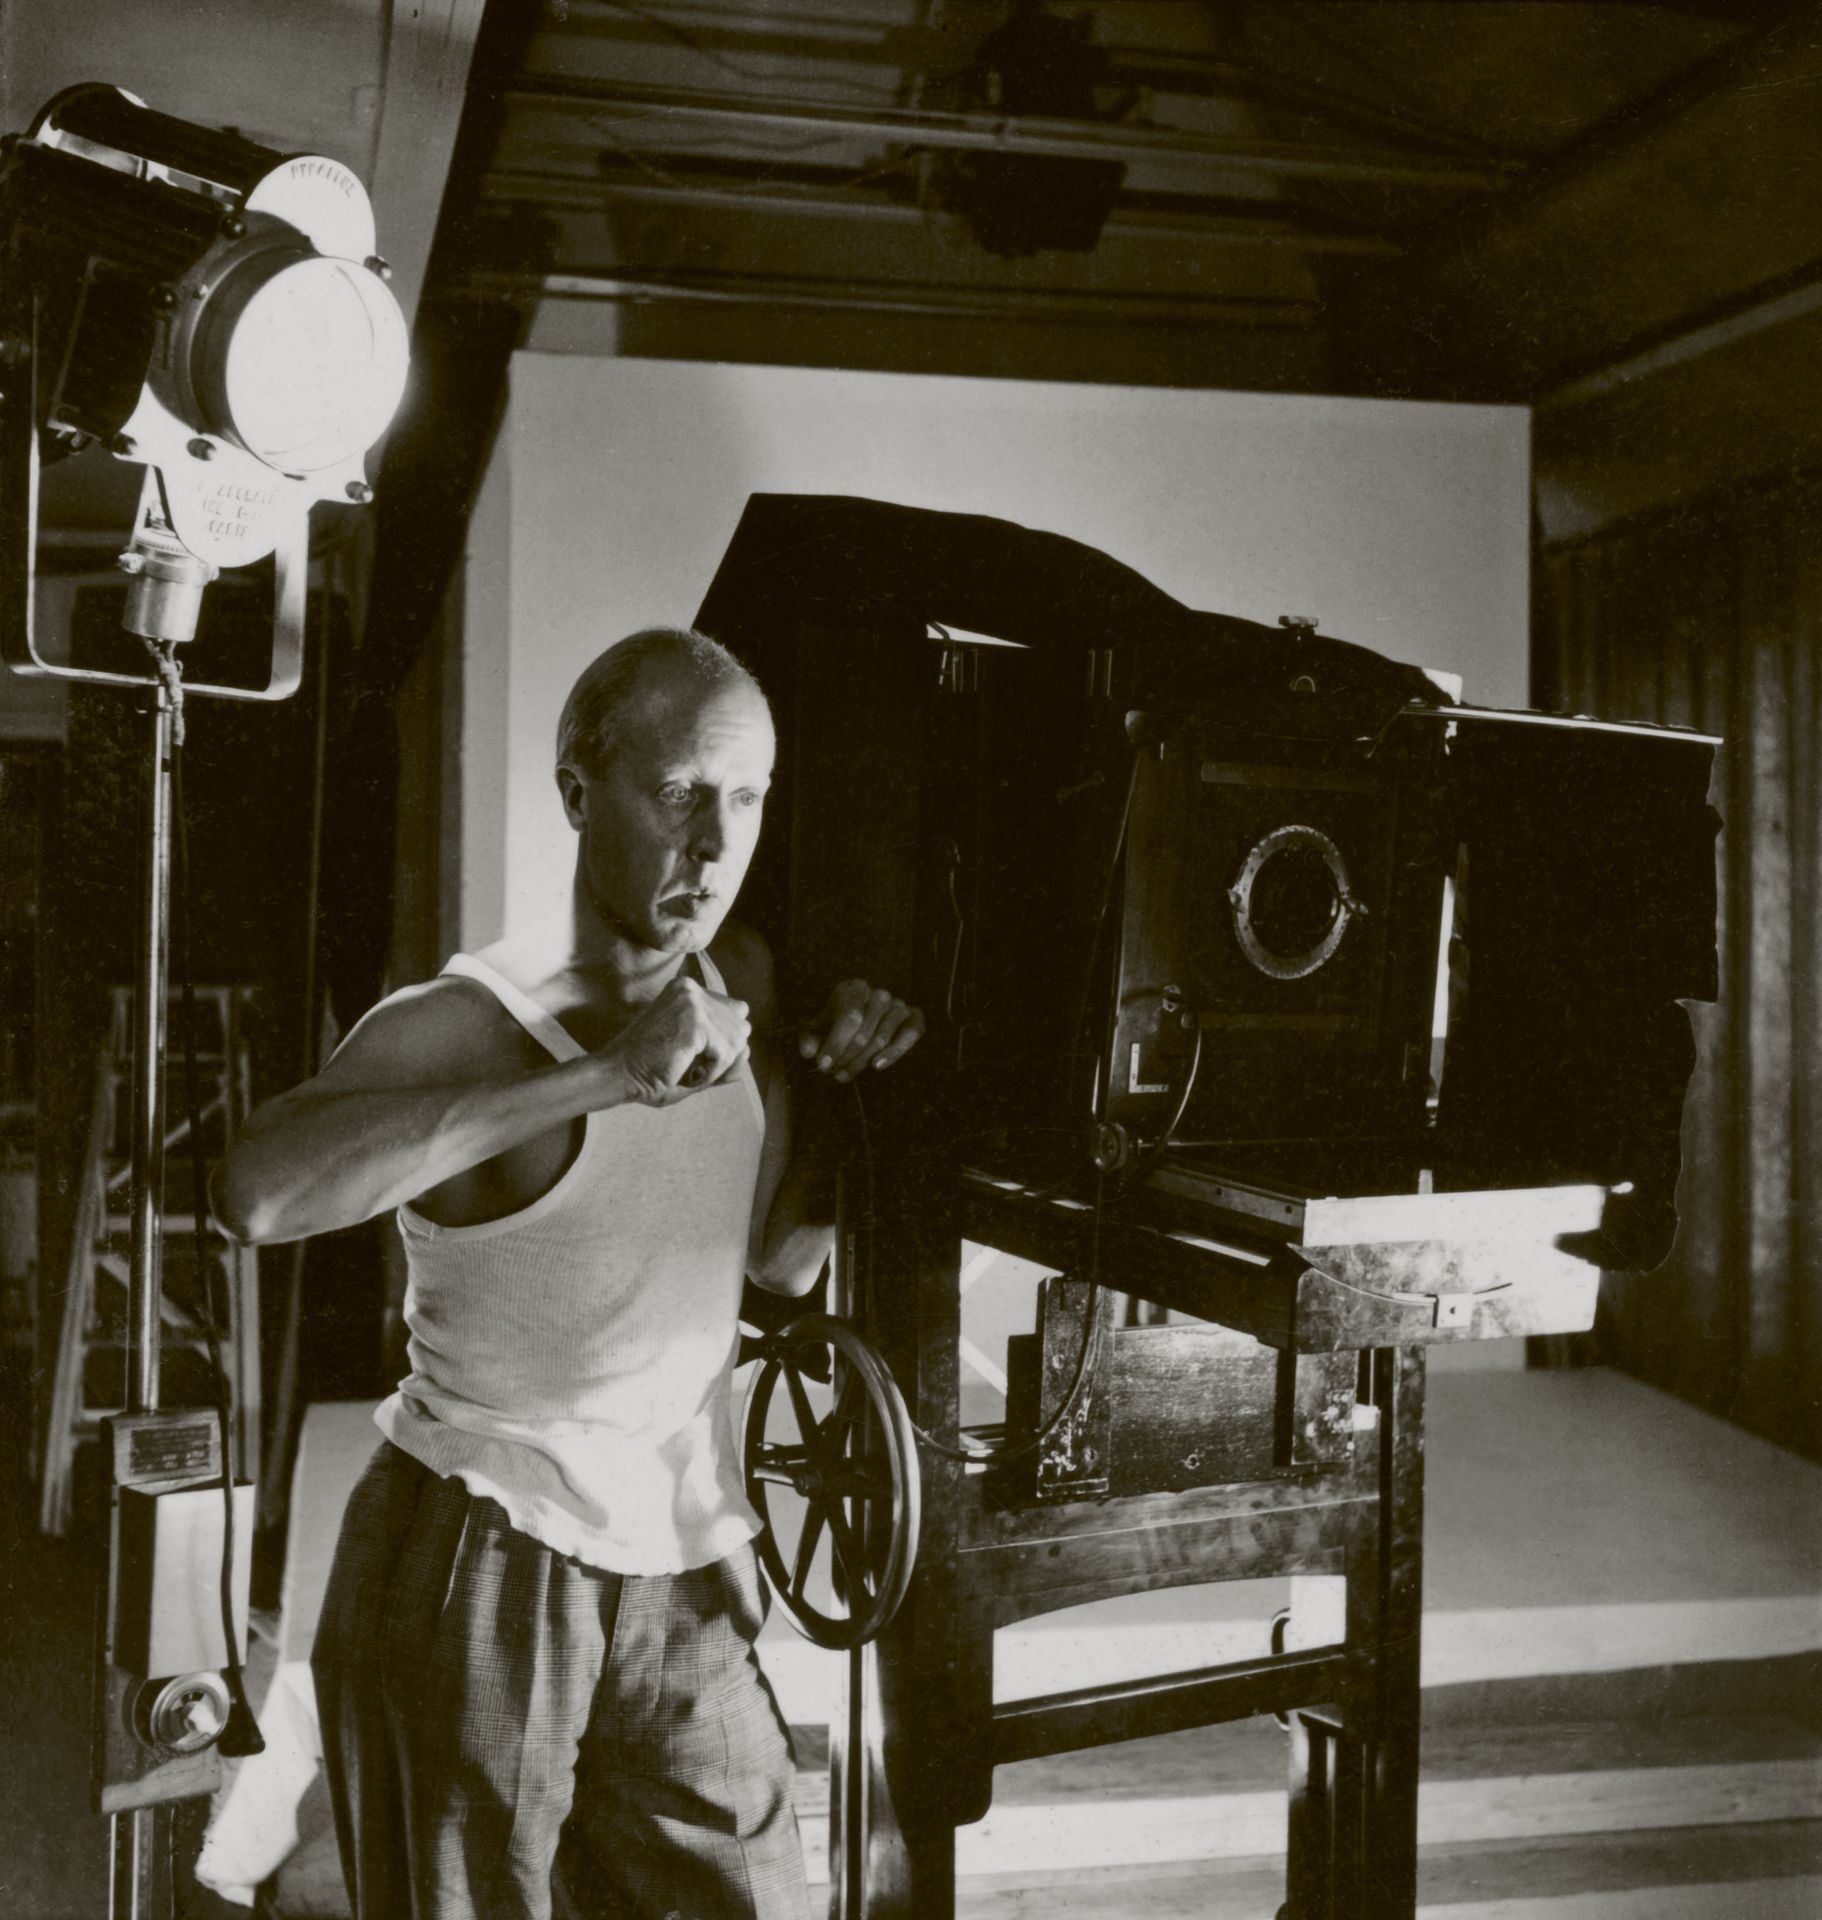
x=161 y=1699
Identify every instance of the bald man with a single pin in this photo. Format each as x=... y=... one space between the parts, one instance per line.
x=535 y=1667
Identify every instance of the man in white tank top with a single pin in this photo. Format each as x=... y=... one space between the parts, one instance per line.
x=535 y=1667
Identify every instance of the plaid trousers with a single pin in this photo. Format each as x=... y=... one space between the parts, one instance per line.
x=510 y=1734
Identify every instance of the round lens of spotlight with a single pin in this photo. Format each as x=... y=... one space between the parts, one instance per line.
x=314 y=366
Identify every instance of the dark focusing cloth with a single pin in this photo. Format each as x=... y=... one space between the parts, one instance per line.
x=510 y=1734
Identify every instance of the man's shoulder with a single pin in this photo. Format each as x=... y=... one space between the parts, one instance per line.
x=448 y=1026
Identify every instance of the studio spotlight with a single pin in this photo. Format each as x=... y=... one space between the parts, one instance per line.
x=210 y=309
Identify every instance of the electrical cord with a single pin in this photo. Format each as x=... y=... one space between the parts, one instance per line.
x=1103 y=913
x=998 y=1456
x=1091 y=1341
x=1141 y=1168
x=241 y=1736
x=1079 y=1015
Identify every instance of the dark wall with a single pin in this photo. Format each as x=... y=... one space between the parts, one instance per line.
x=1711 y=616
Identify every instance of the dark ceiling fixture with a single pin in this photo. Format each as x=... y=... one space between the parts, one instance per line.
x=1034 y=63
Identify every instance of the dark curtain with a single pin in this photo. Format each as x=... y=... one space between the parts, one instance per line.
x=1711 y=617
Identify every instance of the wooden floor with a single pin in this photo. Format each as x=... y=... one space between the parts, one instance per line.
x=1751 y=1873
x=1532 y=1803
x=1623 y=1717
x=1623 y=1702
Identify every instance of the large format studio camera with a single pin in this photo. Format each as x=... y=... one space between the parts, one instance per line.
x=1245 y=915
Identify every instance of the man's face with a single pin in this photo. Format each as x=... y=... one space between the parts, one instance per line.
x=669 y=826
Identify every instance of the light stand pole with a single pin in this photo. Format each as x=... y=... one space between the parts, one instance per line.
x=163 y=605
x=138 y=1858
x=151 y=992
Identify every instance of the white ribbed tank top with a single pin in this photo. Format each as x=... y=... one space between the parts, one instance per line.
x=574 y=1360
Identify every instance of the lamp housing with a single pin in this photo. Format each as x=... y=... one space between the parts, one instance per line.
x=205 y=306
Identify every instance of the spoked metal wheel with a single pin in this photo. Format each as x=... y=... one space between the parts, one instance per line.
x=839 y=1492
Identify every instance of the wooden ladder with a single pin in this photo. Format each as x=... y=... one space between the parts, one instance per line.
x=90 y=1380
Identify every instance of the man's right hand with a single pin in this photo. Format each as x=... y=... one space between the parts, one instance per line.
x=687 y=1039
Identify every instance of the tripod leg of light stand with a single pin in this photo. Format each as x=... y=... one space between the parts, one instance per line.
x=142 y=1884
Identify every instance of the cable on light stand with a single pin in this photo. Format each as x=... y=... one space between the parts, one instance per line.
x=241 y=1736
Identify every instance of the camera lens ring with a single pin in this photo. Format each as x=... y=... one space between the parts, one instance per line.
x=1259 y=940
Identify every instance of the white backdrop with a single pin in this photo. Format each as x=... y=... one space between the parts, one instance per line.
x=616 y=486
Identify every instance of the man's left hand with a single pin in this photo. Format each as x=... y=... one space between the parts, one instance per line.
x=860 y=1027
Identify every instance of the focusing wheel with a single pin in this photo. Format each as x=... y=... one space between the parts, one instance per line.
x=854 y=1471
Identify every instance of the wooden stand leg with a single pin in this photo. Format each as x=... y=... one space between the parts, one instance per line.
x=888 y=1860
x=1349 y=1830
x=1398 y=1392
x=1354 y=1773
x=928 y=1719
x=892 y=1841
x=1329 y=1839
x=1306 y=1886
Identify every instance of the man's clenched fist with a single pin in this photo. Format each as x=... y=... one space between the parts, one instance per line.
x=687 y=1039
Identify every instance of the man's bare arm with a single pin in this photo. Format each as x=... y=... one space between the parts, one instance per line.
x=420 y=1092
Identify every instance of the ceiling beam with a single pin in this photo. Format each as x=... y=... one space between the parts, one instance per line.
x=1640 y=233
x=518 y=187
x=1796 y=298
x=429 y=46
x=1026 y=135
x=736 y=41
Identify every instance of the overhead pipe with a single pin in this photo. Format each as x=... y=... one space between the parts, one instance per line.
x=990 y=303
x=1028 y=135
